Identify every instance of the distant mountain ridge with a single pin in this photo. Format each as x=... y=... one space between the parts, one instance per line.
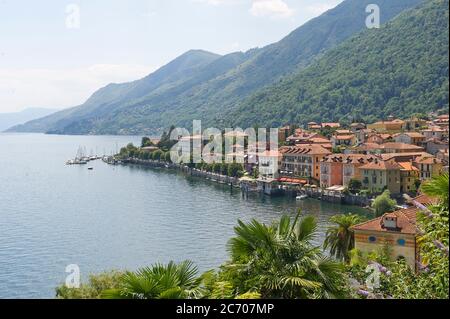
x=8 y=120
x=400 y=69
x=206 y=86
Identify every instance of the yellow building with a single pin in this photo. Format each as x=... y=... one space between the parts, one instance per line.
x=397 y=230
x=380 y=175
x=414 y=123
x=393 y=126
x=408 y=176
x=303 y=160
x=429 y=166
x=414 y=138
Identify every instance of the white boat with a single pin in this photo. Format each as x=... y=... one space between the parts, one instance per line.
x=301 y=197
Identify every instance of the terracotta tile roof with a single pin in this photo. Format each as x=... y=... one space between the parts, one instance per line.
x=270 y=153
x=381 y=165
x=428 y=160
x=412 y=134
x=343 y=132
x=344 y=137
x=406 y=222
x=408 y=166
x=304 y=136
x=368 y=146
x=400 y=146
x=426 y=200
x=412 y=155
x=319 y=140
x=332 y=125
x=434 y=129
x=389 y=122
x=350 y=158
x=307 y=149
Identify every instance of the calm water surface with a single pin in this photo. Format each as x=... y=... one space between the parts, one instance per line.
x=52 y=215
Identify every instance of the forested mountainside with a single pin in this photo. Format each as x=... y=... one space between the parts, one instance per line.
x=399 y=69
x=206 y=86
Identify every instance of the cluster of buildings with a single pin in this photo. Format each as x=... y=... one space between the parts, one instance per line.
x=394 y=154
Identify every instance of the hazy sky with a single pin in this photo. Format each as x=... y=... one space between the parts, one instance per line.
x=50 y=58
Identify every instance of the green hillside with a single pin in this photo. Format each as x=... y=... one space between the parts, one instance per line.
x=202 y=85
x=400 y=69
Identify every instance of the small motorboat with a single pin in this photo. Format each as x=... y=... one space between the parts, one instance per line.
x=301 y=197
x=90 y=168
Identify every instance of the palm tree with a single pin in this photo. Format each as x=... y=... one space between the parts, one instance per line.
x=281 y=262
x=339 y=237
x=437 y=187
x=170 y=281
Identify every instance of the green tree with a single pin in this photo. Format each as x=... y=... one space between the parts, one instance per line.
x=340 y=238
x=93 y=289
x=354 y=186
x=146 y=155
x=235 y=170
x=384 y=204
x=170 y=281
x=146 y=141
x=167 y=157
x=438 y=187
x=279 y=261
x=431 y=280
x=255 y=172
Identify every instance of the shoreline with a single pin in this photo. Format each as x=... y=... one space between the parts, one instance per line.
x=236 y=183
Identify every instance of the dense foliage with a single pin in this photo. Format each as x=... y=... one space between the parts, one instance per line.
x=171 y=281
x=266 y=261
x=94 y=288
x=354 y=186
x=280 y=261
x=384 y=204
x=399 y=69
x=398 y=280
x=339 y=238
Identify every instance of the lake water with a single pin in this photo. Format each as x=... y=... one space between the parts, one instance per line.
x=113 y=217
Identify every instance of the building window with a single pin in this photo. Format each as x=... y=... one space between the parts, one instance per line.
x=401 y=242
x=372 y=239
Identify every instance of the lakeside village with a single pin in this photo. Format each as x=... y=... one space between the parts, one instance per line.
x=357 y=165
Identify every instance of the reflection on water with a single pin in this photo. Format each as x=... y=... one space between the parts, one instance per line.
x=113 y=217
